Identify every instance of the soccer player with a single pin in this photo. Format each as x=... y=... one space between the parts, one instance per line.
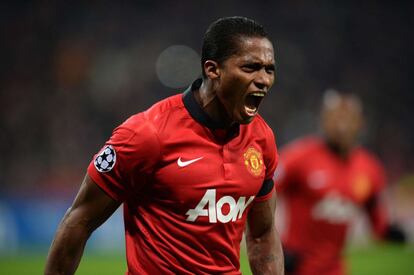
x=192 y=171
x=323 y=182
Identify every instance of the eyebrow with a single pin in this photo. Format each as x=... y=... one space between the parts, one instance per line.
x=259 y=65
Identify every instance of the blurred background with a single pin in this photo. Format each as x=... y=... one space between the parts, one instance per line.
x=71 y=71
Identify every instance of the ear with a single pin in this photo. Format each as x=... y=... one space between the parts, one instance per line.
x=211 y=69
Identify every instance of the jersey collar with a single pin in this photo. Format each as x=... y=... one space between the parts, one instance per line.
x=201 y=116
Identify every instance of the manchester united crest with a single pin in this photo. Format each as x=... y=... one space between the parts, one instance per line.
x=361 y=187
x=253 y=161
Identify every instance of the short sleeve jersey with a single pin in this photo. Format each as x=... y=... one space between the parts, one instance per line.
x=186 y=186
x=323 y=193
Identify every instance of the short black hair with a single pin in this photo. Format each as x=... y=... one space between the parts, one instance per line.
x=221 y=38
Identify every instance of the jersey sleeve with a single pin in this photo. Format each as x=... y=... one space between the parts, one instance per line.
x=288 y=169
x=376 y=204
x=270 y=159
x=379 y=175
x=126 y=161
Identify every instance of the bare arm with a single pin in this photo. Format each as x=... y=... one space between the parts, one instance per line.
x=263 y=244
x=90 y=209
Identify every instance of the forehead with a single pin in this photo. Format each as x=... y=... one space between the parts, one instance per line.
x=342 y=102
x=254 y=49
x=343 y=106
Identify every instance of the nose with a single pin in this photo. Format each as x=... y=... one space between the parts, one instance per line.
x=263 y=80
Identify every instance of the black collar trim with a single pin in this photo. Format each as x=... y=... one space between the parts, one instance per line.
x=200 y=115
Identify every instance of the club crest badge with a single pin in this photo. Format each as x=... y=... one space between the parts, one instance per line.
x=105 y=160
x=361 y=187
x=253 y=161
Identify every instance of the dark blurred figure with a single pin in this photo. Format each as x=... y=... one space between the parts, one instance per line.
x=324 y=182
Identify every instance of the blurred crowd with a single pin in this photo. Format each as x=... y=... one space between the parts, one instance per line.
x=73 y=70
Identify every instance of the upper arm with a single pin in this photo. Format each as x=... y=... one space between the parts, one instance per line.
x=91 y=207
x=290 y=164
x=261 y=217
x=263 y=243
x=133 y=151
x=375 y=205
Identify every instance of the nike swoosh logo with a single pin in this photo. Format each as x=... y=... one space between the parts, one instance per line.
x=188 y=162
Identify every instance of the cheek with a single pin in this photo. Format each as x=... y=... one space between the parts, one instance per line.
x=233 y=88
x=353 y=132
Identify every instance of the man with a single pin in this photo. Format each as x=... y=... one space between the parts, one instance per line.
x=323 y=182
x=191 y=171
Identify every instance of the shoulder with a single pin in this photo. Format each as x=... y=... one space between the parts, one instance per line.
x=167 y=113
x=265 y=138
x=294 y=157
x=163 y=107
x=261 y=131
x=302 y=146
x=368 y=158
x=154 y=114
x=263 y=134
x=371 y=166
x=142 y=128
x=260 y=124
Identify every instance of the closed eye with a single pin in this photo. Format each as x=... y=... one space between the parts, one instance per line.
x=270 y=68
x=251 y=67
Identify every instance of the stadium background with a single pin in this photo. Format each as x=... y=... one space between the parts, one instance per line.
x=71 y=71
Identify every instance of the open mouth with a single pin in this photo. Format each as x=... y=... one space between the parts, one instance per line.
x=252 y=102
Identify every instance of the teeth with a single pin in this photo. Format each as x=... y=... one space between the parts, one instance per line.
x=258 y=94
x=251 y=110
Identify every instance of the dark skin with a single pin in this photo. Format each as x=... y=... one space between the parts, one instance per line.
x=225 y=89
x=89 y=210
x=341 y=121
x=223 y=97
x=264 y=248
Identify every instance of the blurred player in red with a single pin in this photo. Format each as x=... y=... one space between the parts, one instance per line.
x=323 y=181
x=191 y=171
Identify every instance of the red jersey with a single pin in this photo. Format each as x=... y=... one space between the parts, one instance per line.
x=186 y=186
x=322 y=193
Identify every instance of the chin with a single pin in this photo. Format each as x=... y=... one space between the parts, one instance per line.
x=241 y=117
x=246 y=120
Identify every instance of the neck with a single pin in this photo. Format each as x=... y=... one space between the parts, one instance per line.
x=337 y=149
x=207 y=97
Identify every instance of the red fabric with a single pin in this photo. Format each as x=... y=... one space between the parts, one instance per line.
x=158 y=195
x=322 y=193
